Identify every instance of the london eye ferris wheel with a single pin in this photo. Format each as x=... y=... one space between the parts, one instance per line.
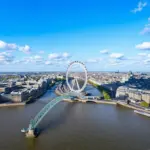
x=76 y=76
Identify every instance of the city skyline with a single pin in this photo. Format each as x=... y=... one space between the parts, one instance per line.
x=47 y=36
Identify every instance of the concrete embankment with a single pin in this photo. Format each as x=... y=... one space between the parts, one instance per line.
x=94 y=101
x=131 y=107
x=12 y=104
x=68 y=100
x=98 y=101
x=58 y=92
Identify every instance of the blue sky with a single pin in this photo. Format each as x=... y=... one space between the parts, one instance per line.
x=47 y=35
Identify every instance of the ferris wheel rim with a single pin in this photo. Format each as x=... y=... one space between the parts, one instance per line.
x=85 y=72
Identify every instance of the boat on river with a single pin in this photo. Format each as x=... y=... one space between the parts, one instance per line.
x=142 y=113
x=23 y=130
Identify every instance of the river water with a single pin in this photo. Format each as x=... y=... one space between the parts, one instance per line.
x=75 y=126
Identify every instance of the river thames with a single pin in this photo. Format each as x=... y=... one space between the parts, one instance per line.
x=75 y=126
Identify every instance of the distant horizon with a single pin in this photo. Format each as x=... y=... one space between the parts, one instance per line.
x=65 y=71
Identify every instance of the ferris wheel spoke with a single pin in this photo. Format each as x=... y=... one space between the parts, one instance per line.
x=77 y=84
x=73 y=83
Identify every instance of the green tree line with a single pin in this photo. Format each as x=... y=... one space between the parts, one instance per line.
x=106 y=93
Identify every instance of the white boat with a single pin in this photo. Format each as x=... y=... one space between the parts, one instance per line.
x=142 y=113
x=23 y=130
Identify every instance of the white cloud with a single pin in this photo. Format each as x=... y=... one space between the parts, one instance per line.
x=147 y=61
x=33 y=59
x=66 y=55
x=25 y=49
x=142 y=54
x=59 y=56
x=54 y=56
x=13 y=46
x=117 y=55
x=139 y=7
x=105 y=51
x=38 y=60
x=146 y=29
x=37 y=57
x=143 y=46
x=58 y=59
x=6 y=58
x=48 y=63
x=2 y=45
x=7 y=46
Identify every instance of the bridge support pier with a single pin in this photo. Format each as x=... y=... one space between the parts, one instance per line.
x=30 y=133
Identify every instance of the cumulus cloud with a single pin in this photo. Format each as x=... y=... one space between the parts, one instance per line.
x=59 y=56
x=147 y=62
x=54 y=56
x=25 y=49
x=48 y=63
x=33 y=59
x=139 y=7
x=143 y=46
x=6 y=58
x=117 y=55
x=105 y=51
x=17 y=61
x=54 y=59
x=13 y=46
x=146 y=30
x=7 y=46
x=2 y=44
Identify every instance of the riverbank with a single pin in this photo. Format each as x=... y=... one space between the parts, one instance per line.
x=59 y=91
x=119 y=103
x=93 y=101
x=12 y=104
x=105 y=92
x=31 y=100
x=108 y=101
x=112 y=102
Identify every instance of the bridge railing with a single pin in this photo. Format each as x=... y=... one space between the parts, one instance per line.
x=33 y=123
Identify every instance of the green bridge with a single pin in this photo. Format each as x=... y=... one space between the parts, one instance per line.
x=30 y=131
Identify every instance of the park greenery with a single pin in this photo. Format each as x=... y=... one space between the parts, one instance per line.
x=144 y=104
x=60 y=79
x=105 y=92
